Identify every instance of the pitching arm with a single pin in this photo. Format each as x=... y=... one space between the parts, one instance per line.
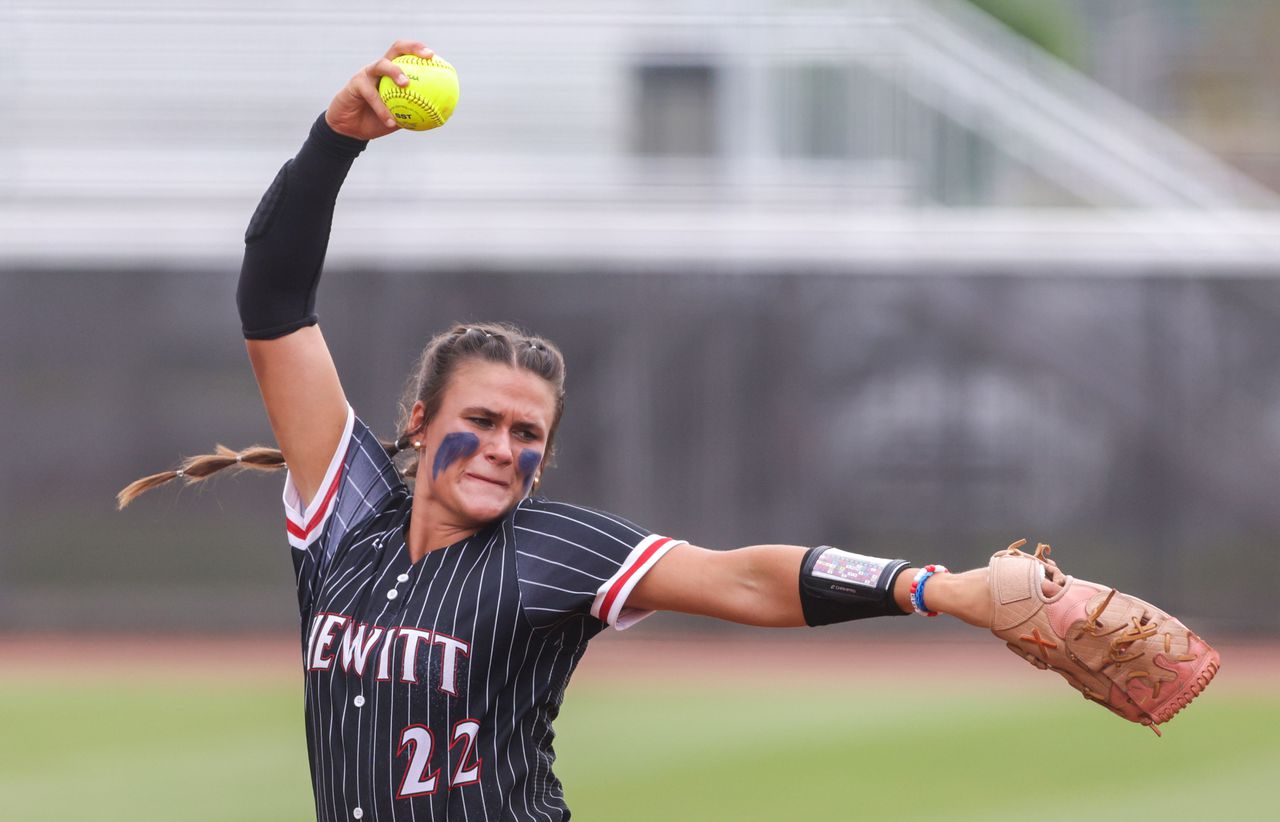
x=284 y=254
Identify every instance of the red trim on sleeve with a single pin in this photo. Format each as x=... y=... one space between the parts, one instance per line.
x=606 y=607
x=301 y=533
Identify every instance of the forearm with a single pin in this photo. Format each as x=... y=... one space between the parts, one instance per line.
x=757 y=585
x=761 y=585
x=284 y=253
x=963 y=596
x=288 y=236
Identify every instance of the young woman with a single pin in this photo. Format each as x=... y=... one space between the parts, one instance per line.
x=443 y=607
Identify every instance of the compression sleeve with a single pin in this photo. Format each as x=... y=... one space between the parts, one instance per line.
x=289 y=233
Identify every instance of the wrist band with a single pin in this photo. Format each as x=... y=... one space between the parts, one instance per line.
x=917 y=588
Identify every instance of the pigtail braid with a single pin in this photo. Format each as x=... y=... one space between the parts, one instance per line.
x=194 y=469
x=491 y=342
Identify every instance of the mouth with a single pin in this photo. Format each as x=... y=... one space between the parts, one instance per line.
x=487 y=480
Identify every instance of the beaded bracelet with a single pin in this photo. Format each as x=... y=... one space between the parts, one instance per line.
x=917 y=588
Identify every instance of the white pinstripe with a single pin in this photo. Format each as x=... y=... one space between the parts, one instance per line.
x=542 y=750
x=484 y=555
x=531 y=781
x=346 y=578
x=558 y=588
x=517 y=725
x=592 y=527
x=475 y=626
x=537 y=558
x=559 y=538
x=615 y=520
x=492 y=644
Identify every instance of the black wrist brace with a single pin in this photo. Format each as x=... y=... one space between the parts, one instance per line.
x=289 y=233
x=838 y=586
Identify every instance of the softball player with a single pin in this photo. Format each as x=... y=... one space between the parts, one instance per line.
x=443 y=607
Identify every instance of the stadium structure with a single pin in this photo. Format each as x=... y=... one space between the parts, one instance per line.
x=883 y=253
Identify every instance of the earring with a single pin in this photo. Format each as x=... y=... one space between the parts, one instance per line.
x=417 y=443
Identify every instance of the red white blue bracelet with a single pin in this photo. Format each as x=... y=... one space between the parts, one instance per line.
x=917 y=588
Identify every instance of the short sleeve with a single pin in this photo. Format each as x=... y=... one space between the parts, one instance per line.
x=359 y=480
x=574 y=560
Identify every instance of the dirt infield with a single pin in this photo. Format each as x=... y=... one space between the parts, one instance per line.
x=613 y=659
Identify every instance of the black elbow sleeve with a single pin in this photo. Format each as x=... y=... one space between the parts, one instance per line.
x=288 y=235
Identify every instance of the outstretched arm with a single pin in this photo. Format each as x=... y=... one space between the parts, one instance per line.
x=760 y=585
x=284 y=254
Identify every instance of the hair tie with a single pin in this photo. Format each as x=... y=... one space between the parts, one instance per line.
x=179 y=474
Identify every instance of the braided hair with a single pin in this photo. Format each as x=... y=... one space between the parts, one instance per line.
x=444 y=353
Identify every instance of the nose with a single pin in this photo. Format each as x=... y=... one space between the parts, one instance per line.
x=497 y=448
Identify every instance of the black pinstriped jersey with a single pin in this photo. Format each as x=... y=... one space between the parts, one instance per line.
x=431 y=687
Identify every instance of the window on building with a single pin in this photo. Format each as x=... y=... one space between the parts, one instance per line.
x=836 y=111
x=675 y=114
x=815 y=118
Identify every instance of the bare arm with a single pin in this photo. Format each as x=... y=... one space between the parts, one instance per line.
x=757 y=585
x=304 y=400
x=760 y=585
x=295 y=372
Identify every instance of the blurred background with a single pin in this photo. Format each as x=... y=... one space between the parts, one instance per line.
x=915 y=278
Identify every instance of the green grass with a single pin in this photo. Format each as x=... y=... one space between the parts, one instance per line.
x=911 y=756
x=145 y=751
x=219 y=752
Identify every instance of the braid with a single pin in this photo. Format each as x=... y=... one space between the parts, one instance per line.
x=194 y=469
x=494 y=342
x=393 y=448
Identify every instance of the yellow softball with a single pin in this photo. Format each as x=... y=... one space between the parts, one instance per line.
x=428 y=100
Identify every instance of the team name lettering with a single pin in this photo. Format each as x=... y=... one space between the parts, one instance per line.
x=336 y=638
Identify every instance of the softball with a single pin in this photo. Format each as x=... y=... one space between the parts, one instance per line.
x=428 y=100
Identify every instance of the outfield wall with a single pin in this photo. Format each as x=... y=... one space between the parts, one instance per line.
x=1132 y=420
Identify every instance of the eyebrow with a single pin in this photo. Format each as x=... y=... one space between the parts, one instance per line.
x=481 y=411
